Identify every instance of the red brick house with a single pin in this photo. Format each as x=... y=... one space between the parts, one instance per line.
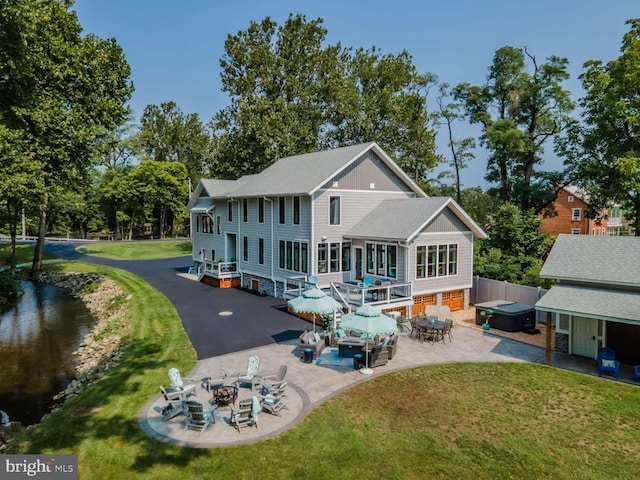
x=570 y=206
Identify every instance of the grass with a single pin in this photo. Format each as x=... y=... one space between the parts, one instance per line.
x=24 y=253
x=138 y=250
x=476 y=421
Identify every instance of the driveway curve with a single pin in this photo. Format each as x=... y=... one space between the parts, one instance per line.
x=218 y=321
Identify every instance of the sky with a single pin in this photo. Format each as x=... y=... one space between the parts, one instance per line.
x=174 y=46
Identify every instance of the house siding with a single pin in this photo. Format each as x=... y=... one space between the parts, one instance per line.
x=452 y=282
x=366 y=171
x=446 y=221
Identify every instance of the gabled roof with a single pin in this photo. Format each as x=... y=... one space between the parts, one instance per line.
x=304 y=174
x=404 y=219
x=577 y=192
x=595 y=259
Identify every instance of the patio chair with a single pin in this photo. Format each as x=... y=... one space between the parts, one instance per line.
x=366 y=282
x=197 y=417
x=313 y=279
x=175 y=403
x=272 y=402
x=245 y=414
x=270 y=380
x=178 y=382
x=413 y=322
x=216 y=379
x=251 y=375
x=607 y=362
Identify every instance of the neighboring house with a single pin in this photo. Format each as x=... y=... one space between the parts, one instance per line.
x=335 y=218
x=596 y=301
x=570 y=206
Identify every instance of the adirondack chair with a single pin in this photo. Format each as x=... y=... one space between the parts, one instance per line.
x=178 y=382
x=251 y=375
x=198 y=418
x=607 y=362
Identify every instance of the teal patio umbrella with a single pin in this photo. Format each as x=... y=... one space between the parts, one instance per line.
x=316 y=302
x=370 y=321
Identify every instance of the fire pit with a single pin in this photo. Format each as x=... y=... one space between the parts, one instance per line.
x=225 y=395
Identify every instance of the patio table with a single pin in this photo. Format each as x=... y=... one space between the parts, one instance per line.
x=435 y=325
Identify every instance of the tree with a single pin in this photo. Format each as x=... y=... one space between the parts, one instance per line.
x=461 y=150
x=609 y=167
x=279 y=78
x=519 y=112
x=60 y=91
x=382 y=98
x=168 y=135
x=514 y=246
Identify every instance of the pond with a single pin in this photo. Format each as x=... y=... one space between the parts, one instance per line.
x=37 y=340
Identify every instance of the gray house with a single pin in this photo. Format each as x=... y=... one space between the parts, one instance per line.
x=596 y=301
x=348 y=219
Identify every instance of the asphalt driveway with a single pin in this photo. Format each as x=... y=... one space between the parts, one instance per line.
x=218 y=321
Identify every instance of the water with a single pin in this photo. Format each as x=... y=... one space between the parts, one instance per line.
x=37 y=339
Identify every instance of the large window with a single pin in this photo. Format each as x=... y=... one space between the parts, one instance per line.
x=334 y=210
x=382 y=259
x=441 y=260
x=282 y=209
x=293 y=256
x=296 y=210
x=261 y=210
x=245 y=210
x=207 y=224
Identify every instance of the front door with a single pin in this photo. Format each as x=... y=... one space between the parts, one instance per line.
x=358 y=255
x=584 y=334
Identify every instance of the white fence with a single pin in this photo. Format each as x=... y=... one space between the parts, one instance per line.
x=485 y=290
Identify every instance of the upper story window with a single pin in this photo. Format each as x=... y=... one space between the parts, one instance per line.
x=218 y=222
x=282 y=209
x=296 y=210
x=334 y=210
x=230 y=211
x=570 y=199
x=245 y=210
x=261 y=210
x=436 y=260
x=576 y=214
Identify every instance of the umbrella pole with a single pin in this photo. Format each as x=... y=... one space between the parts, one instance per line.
x=366 y=370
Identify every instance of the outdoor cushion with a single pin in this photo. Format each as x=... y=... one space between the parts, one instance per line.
x=609 y=363
x=339 y=333
x=311 y=340
x=316 y=336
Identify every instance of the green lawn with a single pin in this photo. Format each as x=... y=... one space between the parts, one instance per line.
x=24 y=253
x=138 y=250
x=475 y=421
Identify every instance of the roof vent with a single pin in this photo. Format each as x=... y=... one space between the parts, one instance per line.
x=372 y=185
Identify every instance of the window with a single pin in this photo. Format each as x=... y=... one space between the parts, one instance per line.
x=207 y=224
x=570 y=199
x=575 y=231
x=322 y=258
x=296 y=256
x=334 y=263
x=334 y=210
x=346 y=256
x=218 y=222
x=380 y=258
x=421 y=260
x=453 y=259
x=261 y=210
x=391 y=261
x=576 y=213
x=370 y=254
x=245 y=210
x=230 y=211
x=296 y=210
x=432 y=260
x=245 y=249
x=289 y=255
x=303 y=257
x=198 y=223
x=441 y=260
x=282 y=209
x=282 y=254
x=261 y=251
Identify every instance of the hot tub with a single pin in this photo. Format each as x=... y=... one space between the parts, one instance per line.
x=507 y=316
